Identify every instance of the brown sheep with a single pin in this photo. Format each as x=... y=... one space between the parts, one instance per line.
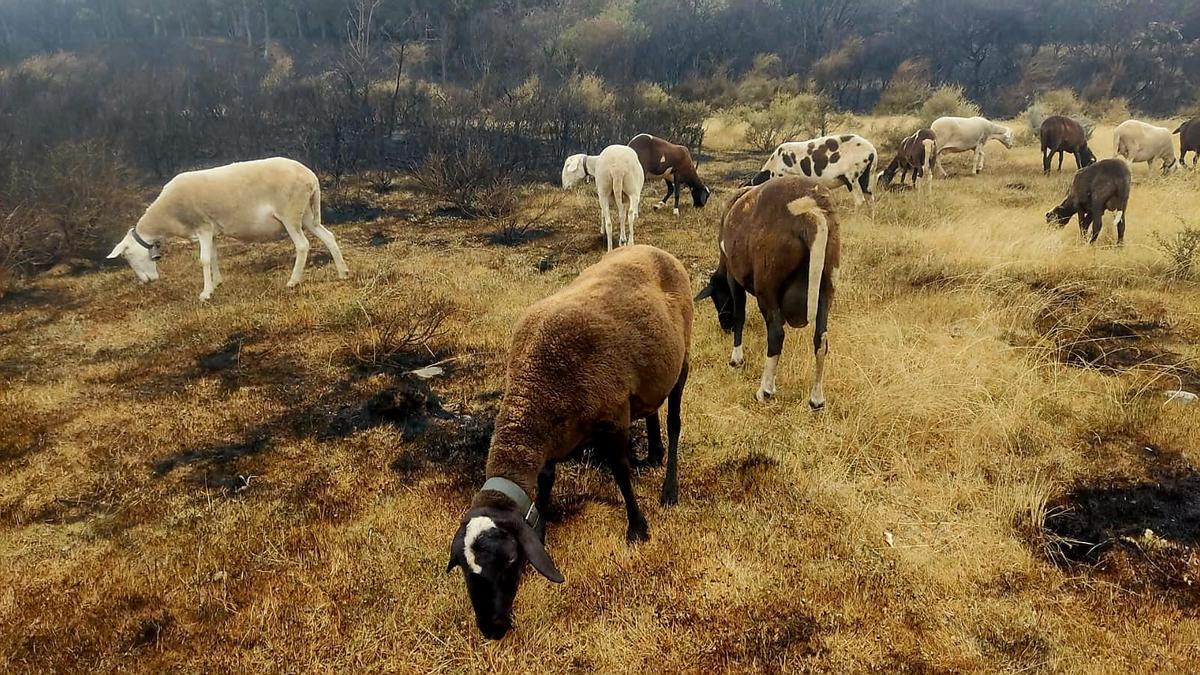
x=1189 y=140
x=608 y=349
x=1062 y=134
x=916 y=154
x=671 y=163
x=1103 y=186
x=780 y=243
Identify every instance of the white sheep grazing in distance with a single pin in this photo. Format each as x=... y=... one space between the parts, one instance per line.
x=252 y=201
x=1137 y=142
x=619 y=177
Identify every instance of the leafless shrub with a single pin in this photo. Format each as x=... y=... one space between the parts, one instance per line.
x=388 y=324
x=471 y=182
x=1182 y=251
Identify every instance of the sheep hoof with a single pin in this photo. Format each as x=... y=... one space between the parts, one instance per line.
x=658 y=206
x=344 y=274
x=763 y=396
x=675 y=211
x=670 y=495
x=204 y=297
x=816 y=406
x=637 y=533
x=292 y=283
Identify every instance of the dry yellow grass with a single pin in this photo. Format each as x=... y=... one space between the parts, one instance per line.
x=953 y=425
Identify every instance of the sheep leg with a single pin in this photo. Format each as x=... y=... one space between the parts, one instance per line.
x=1047 y=153
x=1085 y=222
x=1097 y=221
x=738 y=297
x=670 y=487
x=616 y=443
x=216 y=267
x=774 y=320
x=1120 y=228
x=937 y=159
x=302 y=247
x=978 y=158
x=331 y=245
x=606 y=219
x=670 y=191
x=1060 y=159
x=816 y=399
x=545 y=484
x=654 y=446
x=205 y=237
x=676 y=211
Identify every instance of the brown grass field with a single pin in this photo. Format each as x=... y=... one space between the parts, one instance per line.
x=221 y=487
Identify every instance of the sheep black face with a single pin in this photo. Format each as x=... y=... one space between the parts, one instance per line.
x=1061 y=214
x=491 y=547
x=758 y=179
x=1086 y=157
x=722 y=297
x=700 y=196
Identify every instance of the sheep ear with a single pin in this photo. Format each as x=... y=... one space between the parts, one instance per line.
x=572 y=163
x=457 y=557
x=119 y=249
x=536 y=552
x=705 y=292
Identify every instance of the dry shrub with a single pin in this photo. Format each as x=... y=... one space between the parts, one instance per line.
x=1109 y=110
x=947 y=101
x=73 y=203
x=908 y=89
x=1182 y=251
x=390 y=324
x=470 y=181
x=888 y=136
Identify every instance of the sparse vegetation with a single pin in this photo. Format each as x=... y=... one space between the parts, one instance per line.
x=1182 y=249
x=947 y=101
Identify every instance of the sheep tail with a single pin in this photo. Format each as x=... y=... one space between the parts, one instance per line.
x=816 y=250
x=314 y=203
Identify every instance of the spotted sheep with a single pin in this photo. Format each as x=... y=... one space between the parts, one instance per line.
x=967 y=134
x=672 y=164
x=845 y=160
x=1189 y=140
x=1137 y=142
x=1062 y=134
x=253 y=201
x=779 y=242
x=619 y=179
x=916 y=154
x=1103 y=186
x=608 y=349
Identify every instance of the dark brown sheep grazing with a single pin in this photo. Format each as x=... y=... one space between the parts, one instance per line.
x=1189 y=140
x=779 y=242
x=1103 y=186
x=608 y=349
x=671 y=163
x=917 y=153
x=1062 y=134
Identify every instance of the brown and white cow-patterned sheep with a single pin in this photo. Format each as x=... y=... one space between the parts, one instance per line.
x=671 y=163
x=1189 y=140
x=1062 y=134
x=1103 y=186
x=830 y=161
x=780 y=243
x=916 y=154
x=608 y=349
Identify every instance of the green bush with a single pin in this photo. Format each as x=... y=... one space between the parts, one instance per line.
x=787 y=117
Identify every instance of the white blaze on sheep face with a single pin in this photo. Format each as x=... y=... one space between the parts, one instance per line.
x=477 y=526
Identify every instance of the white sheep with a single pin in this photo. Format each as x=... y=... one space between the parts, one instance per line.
x=1140 y=142
x=619 y=176
x=252 y=201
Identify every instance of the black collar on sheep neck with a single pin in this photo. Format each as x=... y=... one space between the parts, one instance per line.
x=514 y=492
x=145 y=244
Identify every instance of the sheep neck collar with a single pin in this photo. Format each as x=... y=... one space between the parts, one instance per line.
x=514 y=492
x=145 y=244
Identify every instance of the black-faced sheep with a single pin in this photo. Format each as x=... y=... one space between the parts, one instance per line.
x=672 y=163
x=608 y=349
x=1103 y=186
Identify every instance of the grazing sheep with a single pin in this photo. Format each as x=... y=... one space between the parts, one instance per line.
x=916 y=155
x=1062 y=134
x=619 y=177
x=780 y=243
x=1140 y=142
x=830 y=161
x=252 y=201
x=585 y=363
x=671 y=163
x=1189 y=140
x=964 y=134
x=1103 y=186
